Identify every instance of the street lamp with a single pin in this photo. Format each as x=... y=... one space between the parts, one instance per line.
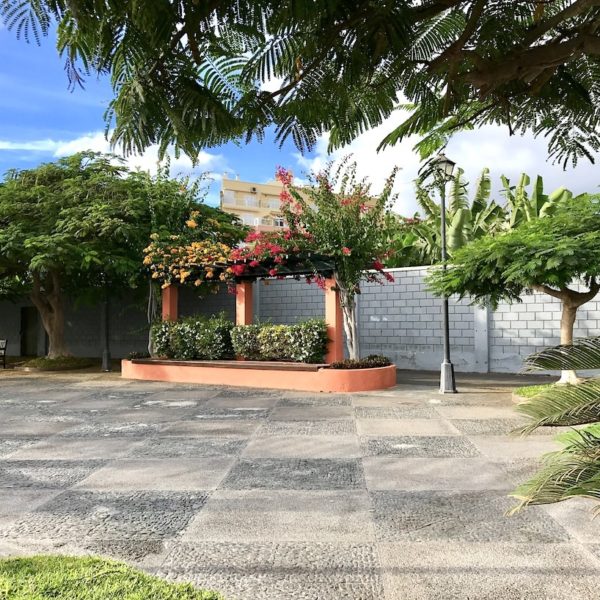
x=444 y=168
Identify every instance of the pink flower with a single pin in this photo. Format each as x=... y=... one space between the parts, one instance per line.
x=272 y=272
x=364 y=208
x=284 y=176
x=254 y=263
x=346 y=201
x=377 y=265
x=346 y=251
x=238 y=269
x=389 y=277
x=285 y=197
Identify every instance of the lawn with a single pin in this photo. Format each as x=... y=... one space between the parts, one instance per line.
x=87 y=578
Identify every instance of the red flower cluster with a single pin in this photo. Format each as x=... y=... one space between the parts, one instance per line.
x=284 y=176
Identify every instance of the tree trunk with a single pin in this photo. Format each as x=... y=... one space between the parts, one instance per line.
x=151 y=313
x=567 y=324
x=47 y=298
x=571 y=301
x=348 y=301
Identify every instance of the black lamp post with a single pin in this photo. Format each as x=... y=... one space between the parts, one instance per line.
x=444 y=169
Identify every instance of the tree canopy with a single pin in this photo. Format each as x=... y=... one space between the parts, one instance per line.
x=199 y=73
x=77 y=227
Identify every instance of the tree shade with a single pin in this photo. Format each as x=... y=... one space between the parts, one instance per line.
x=197 y=74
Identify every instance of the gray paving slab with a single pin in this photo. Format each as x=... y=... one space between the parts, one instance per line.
x=295 y=474
x=399 y=427
x=400 y=494
x=177 y=474
x=420 y=446
x=302 y=446
x=284 y=515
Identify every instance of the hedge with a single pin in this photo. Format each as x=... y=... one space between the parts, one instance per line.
x=194 y=338
x=303 y=342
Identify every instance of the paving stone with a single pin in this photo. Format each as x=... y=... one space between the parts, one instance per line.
x=309 y=428
x=282 y=571
x=118 y=430
x=395 y=412
x=77 y=449
x=503 y=447
x=243 y=402
x=10 y=446
x=50 y=474
x=118 y=515
x=140 y=553
x=491 y=571
x=307 y=474
x=459 y=516
x=399 y=473
x=15 y=501
x=442 y=446
x=33 y=428
x=301 y=446
x=311 y=412
x=477 y=412
x=299 y=399
x=176 y=474
x=577 y=516
x=487 y=426
x=211 y=428
x=283 y=515
x=401 y=427
x=170 y=447
x=519 y=470
x=209 y=412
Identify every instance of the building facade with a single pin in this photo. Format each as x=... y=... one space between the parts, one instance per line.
x=256 y=204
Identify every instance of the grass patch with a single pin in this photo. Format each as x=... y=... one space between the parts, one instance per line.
x=87 y=578
x=62 y=363
x=529 y=391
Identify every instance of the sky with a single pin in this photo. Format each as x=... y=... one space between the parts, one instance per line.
x=41 y=121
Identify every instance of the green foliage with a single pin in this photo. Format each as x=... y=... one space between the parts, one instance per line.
x=244 y=339
x=544 y=252
x=194 y=338
x=574 y=470
x=303 y=342
x=194 y=73
x=370 y=362
x=529 y=391
x=87 y=578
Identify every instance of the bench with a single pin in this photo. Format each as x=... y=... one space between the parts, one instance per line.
x=3 y=345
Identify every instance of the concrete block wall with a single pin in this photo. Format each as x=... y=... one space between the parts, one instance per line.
x=287 y=301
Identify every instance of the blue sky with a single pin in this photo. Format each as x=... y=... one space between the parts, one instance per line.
x=40 y=120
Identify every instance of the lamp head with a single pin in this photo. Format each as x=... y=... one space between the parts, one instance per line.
x=444 y=165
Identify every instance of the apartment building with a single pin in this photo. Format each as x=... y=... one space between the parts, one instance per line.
x=256 y=204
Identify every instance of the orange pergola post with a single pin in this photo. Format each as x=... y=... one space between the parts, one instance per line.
x=243 y=303
x=335 y=324
x=170 y=303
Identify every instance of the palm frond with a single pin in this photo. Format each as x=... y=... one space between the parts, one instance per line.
x=562 y=405
x=583 y=354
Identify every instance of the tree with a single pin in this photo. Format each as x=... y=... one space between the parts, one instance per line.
x=199 y=73
x=344 y=222
x=76 y=228
x=549 y=255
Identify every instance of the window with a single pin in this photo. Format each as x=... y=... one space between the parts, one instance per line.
x=279 y=222
x=228 y=197
x=251 y=201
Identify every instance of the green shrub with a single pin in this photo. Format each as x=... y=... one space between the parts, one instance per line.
x=244 y=339
x=194 y=338
x=304 y=342
x=370 y=362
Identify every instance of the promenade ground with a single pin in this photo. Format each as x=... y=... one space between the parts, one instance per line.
x=393 y=495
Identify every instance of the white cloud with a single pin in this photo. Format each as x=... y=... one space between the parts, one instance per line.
x=490 y=146
x=209 y=164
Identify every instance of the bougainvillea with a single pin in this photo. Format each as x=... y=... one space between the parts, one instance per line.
x=346 y=222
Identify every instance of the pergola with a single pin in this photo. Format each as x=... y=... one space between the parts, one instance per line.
x=295 y=267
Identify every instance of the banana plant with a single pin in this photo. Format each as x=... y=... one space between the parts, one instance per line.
x=524 y=206
x=465 y=220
